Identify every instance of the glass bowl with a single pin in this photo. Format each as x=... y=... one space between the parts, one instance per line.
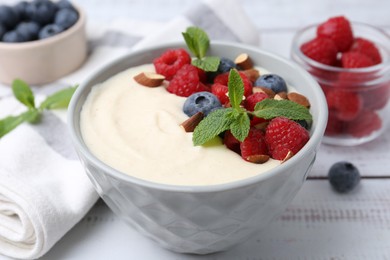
x=368 y=89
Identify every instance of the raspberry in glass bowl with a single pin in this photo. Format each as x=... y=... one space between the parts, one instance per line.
x=351 y=62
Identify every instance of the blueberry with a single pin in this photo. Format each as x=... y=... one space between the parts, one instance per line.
x=13 y=36
x=203 y=102
x=20 y=9
x=8 y=17
x=49 y=30
x=41 y=11
x=2 y=31
x=65 y=4
x=272 y=81
x=343 y=176
x=65 y=18
x=225 y=65
x=28 y=30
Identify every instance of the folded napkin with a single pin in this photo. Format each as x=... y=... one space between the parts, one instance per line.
x=43 y=189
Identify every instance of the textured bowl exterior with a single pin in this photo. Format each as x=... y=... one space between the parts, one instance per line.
x=202 y=219
x=43 y=61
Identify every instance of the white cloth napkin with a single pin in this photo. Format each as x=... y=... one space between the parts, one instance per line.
x=44 y=191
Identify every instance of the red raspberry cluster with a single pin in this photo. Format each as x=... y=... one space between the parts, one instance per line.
x=279 y=138
x=352 y=108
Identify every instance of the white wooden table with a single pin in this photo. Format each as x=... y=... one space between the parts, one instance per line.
x=319 y=223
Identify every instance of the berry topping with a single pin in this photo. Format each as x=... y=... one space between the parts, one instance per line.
x=203 y=102
x=284 y=136
x=2 y=31
x=343 y=176
x=231 y=142
x=273 y=82
x=220 y=91
x=367 y=48
x=13 y=36
x=186 y=81
x=171 y=61
x=225 y=65
x=65 y=4
x=322 y=50
x=224 y=80
x=345 y=104
x=253 y=99
x=339 y=30
x=254 y=145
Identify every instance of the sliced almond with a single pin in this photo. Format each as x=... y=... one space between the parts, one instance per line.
x=251 y=74
x=244 y=61
x=281 y=96
x=258 y=158
x=190 y=124
x=265 y=90
x=149 y=79
x=288 y=156
x=298 y=98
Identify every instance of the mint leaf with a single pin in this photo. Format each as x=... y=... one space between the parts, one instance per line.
x=240 y=126
x=11 y=122
x=215 y=123
x=197 y=41
x=207 y=63
x=59 y=99
x=236 y=89
x=271 y=108
x=23 y=93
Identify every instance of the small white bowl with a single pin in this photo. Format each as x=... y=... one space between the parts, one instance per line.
x=43 y=61
x=202 y=219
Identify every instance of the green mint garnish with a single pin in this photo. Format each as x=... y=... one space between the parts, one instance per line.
x=271 y=108
x=237 y=119
x=24 y=95
x=198 y=43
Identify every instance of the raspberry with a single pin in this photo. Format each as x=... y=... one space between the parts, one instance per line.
x=220 y=91
x=322 y=50
x=355 y=60
x=376 y=98
x=365 y=124
x=253 y=99
x=171 y=61
x=224 y=78
x=186 y=82
x=346 y=104
x=339 y=30
x=334 y=126
x=283 y=136
x=231 y=142
x=367 y=48
x=254 y=144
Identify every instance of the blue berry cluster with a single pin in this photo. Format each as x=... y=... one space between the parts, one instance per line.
x=38 y=19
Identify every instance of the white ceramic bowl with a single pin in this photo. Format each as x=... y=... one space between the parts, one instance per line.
x=202 y=219
x=43 y=61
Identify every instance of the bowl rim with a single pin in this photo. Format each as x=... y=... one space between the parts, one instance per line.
x=310 y=147
x=41 y=43
x=295 y=50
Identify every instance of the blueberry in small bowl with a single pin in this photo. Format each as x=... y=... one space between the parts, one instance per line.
x=41 y=40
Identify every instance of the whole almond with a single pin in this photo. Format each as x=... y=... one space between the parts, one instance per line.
x=190 y=124
x=268 y=91
x=298 y=98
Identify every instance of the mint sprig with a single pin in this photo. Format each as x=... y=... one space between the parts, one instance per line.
x=24 y=95
x=237 y=119
x=198 y=43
